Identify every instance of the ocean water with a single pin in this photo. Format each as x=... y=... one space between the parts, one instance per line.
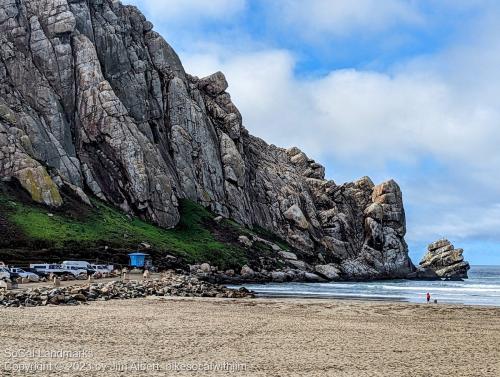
x=482 y=288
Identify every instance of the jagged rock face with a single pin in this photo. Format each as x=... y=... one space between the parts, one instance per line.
x=446 y=261
x=92 y=98
x=16 y=162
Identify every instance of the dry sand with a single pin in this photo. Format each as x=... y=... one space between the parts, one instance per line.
x=259 y=337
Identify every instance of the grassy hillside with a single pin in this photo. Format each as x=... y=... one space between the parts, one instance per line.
x=77 y=229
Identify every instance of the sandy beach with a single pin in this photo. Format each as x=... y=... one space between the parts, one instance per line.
x=250 y=337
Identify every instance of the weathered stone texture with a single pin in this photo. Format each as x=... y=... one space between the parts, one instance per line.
x=102 y=100
x=445 y=261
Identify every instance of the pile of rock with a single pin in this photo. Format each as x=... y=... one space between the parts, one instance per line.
x=287 y=273
x=444 y=260
x=168 y=285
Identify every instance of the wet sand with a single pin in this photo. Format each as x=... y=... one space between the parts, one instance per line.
x=250 y=337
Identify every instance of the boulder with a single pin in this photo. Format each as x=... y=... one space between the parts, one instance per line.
x=214 y=84
x=296 y=216
x=193 y=268
x=298 y=264
x=247 y=272
x=245 y=241
x=444 y=260
x=313 y=278
x=79 y=297
x=278 y=276
x=205 y=267
x=328 y=271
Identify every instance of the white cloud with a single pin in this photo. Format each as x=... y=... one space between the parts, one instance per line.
x=360 y=114
x=263 y=87
x=462 y=223
x=315 y=18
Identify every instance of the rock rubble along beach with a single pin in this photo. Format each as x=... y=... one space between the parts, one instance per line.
x=445 y=261
x=91 y=98
x=206 y=272
x=168 y=285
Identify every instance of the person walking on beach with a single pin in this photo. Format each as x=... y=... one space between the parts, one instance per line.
x=428 y=296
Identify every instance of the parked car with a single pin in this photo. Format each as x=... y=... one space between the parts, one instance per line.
x=76 y=271
x=4 y=273
x=39 y=273
x=80 y=265
x=48 y=268
x=102 y=268
x=24 y=274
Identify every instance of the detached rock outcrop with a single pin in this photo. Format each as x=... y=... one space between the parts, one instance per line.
x=445 y=261
x=92 y=97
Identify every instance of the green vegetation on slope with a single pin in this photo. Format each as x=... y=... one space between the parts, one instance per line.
x=102 y=225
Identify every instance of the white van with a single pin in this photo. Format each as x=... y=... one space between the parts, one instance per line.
x=77 y=263
x=48 y=268
x=74 y=270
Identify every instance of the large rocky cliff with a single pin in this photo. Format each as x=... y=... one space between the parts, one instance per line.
x=94 y=100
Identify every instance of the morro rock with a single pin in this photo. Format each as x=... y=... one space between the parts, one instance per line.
x=446 y=261
x=92 y=99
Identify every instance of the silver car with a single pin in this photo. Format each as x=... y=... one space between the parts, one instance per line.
x=25 y=274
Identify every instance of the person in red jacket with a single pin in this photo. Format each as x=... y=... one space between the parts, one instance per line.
x=428 y=296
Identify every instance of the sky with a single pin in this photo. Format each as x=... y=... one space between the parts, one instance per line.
x=408 y=90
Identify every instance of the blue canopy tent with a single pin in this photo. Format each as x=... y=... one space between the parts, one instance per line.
x=140 y=260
